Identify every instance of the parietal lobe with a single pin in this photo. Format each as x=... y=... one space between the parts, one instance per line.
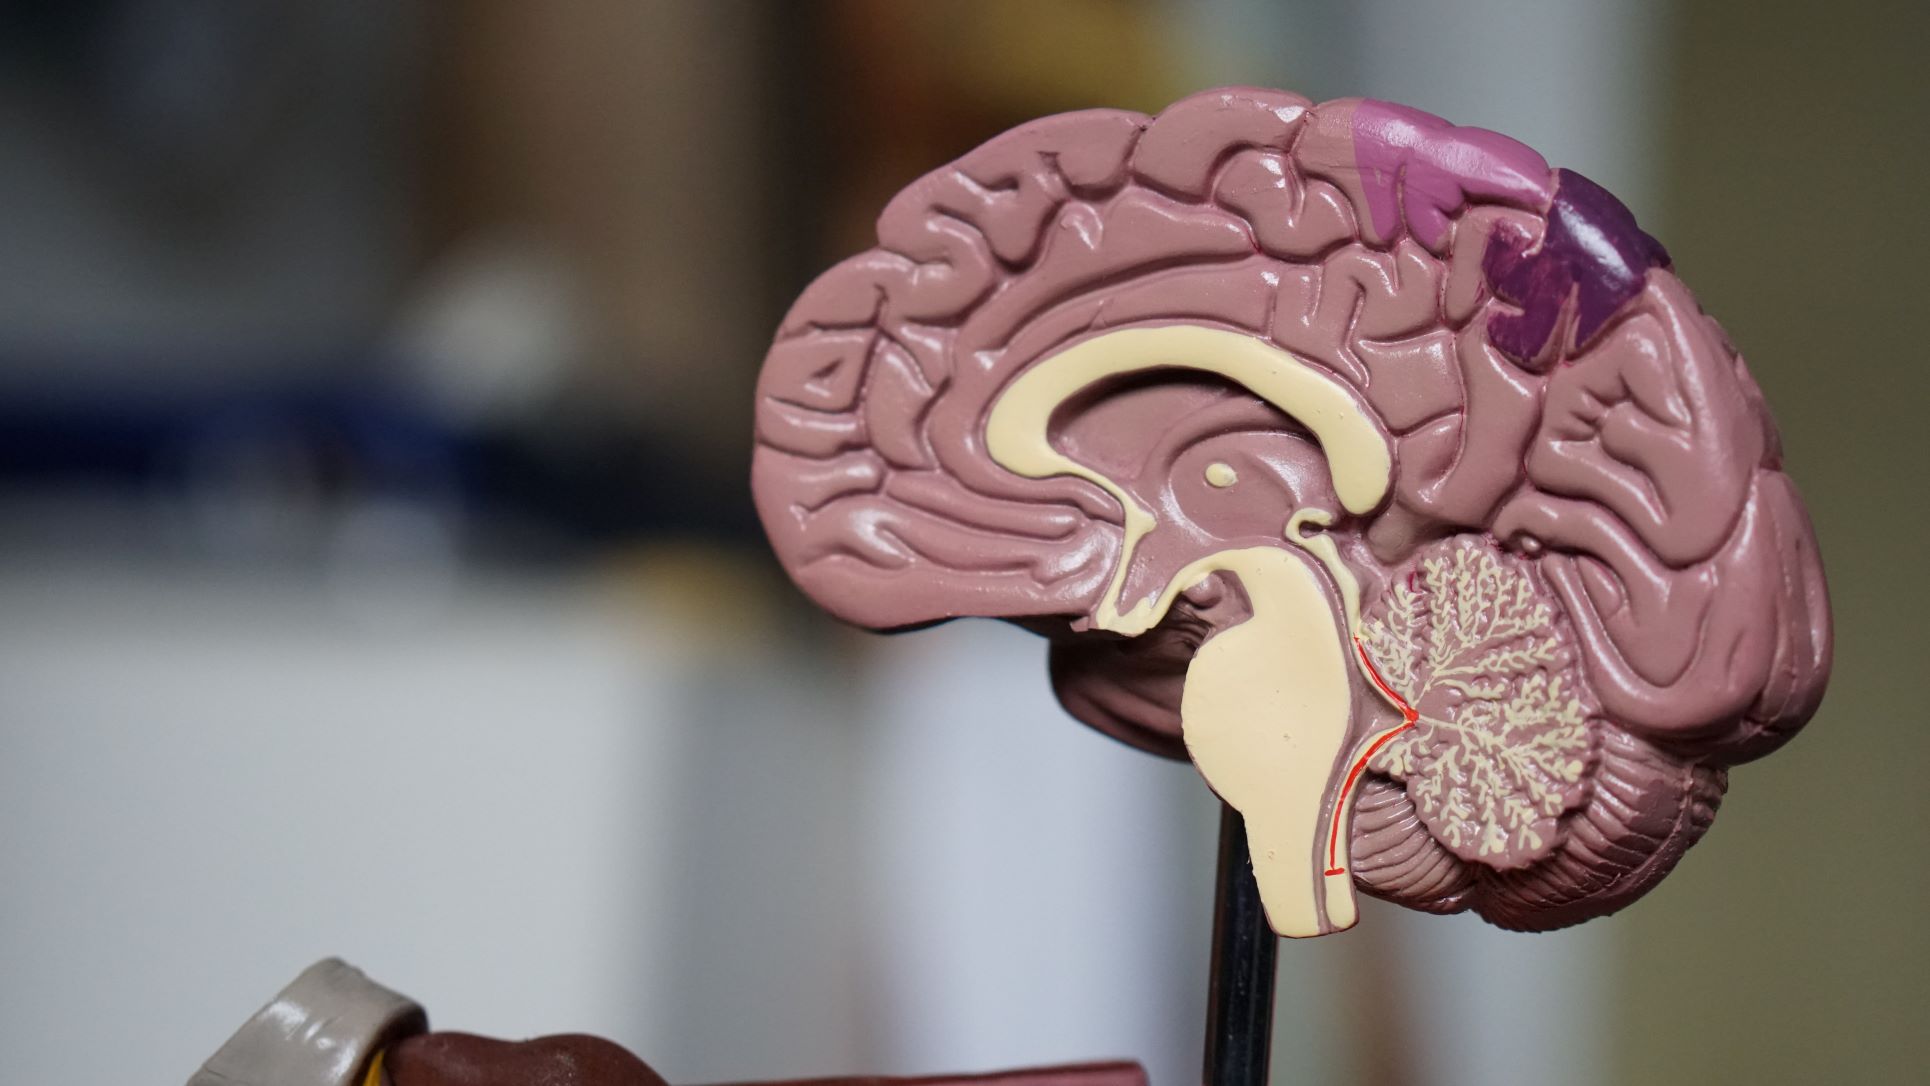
x=1387 y=473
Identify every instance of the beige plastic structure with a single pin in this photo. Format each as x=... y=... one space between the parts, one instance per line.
x=324 y=1029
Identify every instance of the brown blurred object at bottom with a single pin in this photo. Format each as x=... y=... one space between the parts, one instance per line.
x=575 y=1059
x=464 y=1059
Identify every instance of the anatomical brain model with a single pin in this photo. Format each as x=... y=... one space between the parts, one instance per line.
x=1386 y=472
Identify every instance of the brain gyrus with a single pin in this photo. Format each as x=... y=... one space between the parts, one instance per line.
x=1387 y=473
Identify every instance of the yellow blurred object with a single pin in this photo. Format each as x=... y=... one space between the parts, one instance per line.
x=717 y=600
x=1016 y=54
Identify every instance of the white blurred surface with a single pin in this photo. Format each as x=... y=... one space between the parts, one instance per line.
x=1499 y=1008
x=205 y=785
x=1043 y=893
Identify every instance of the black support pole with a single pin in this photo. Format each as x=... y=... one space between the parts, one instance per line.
x=1239 y=1007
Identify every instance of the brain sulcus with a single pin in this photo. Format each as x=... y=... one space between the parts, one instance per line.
x=1139 y=382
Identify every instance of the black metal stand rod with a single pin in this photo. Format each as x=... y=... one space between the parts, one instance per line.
x=1239 y=1007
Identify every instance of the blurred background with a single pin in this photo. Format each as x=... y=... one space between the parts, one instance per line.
x=378 y=578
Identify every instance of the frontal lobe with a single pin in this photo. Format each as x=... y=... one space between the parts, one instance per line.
x=1581 y=461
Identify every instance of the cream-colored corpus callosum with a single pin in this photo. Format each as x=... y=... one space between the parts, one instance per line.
x=1267 y=704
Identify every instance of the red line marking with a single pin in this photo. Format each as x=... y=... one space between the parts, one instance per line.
x=1408 y=716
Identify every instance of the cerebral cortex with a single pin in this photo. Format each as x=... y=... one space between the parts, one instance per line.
x=1588 y=577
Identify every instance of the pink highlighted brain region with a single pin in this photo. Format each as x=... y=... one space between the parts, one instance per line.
x=1386 y=472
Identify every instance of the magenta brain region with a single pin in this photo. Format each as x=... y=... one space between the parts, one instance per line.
x=1388 y=474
